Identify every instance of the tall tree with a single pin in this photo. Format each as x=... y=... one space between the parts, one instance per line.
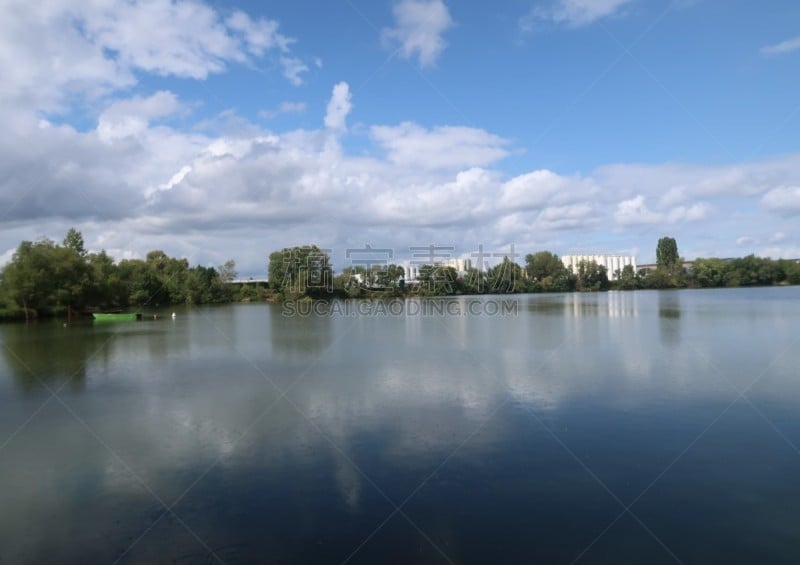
x=667 y=253
x=74 y=240
x=28 y=276
x=505 y=277
x=300 y=271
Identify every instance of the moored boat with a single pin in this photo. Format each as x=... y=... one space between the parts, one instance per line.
x=116 y=316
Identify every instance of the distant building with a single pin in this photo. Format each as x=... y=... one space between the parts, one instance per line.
x=411 y=270
x=460 y=265
x=612 y=263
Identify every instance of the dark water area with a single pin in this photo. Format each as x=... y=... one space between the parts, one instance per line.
x=594 y=428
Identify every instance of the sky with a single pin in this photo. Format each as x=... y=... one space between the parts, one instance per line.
x=228 y=130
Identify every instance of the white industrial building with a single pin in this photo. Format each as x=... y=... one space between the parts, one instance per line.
x=612 y=263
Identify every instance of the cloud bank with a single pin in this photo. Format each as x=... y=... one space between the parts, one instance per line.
x=143 y=171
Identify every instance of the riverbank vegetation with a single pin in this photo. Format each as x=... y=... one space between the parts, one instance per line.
x=46 y=278
x=306 y=272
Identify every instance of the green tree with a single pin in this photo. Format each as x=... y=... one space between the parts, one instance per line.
x=107 y=286
x=708 y=273
x=667 y=254
x=505 y=277
x=790 y=270
x=547 y=273
x=752 y=271
x=28 y=276
x=474 y=281
x=627 y=279
x=300 y=271
x=74 y=240
x=591 y=276
x=73 y=273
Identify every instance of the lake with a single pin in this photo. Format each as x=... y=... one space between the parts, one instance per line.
x=594 y=428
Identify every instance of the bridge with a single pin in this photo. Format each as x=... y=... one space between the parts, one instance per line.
x=250 y=280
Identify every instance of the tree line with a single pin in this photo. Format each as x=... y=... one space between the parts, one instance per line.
x=672 y=271
x=46 y=278
x=306 y=272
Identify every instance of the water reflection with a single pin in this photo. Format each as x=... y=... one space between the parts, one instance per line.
x=47 y=352
x=669 y=314
x=610 y=304
x=306 y=477
x=300 y=333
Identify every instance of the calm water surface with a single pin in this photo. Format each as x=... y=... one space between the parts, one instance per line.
x=622 y=427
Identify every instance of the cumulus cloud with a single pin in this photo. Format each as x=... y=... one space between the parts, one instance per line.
x=446 y=147
x=215 y=196
x=56 y=50
x=339 y=107
x=573 y=13
x=259 y=35
x=783 y=200
x=419 y=26
x=131 y=117
x=635 y=212
x=540 y=188
x=787 y=46
x=228 y=187
x=567 y=217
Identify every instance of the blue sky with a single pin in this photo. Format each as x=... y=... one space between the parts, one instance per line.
x=227 y=130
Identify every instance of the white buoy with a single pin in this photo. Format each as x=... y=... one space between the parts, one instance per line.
x=173 y=315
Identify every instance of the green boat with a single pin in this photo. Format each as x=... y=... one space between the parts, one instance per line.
x=116 y=316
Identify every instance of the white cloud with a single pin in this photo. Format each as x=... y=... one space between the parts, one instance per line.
x=259 y=35
x=419 y=25
x=339 y=107
x=446 y=147
x=209 y=196
x=566 y=217
x=132 y=117
x=783 y=200
x=745 y=241
x=231 y=188
x=675 y=196
x=783 y=252
x=531 y=190
x=293 y=68
x=182 y=38
x=695 y=212
x=783 y=47
x=635 y=212
x=573 y=13
x=176 y=178
x=53 y=51
x=6 y=256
